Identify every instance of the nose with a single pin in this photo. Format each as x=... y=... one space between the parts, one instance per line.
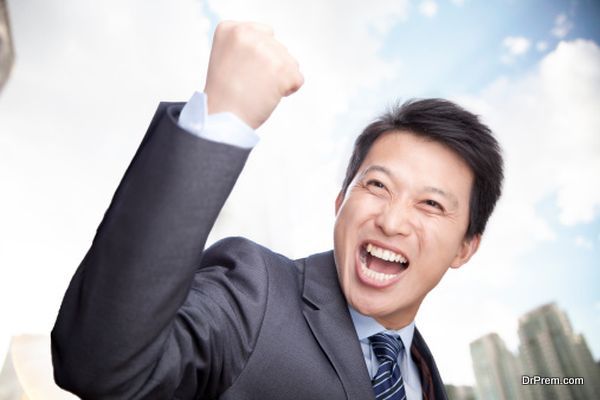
x=395 y=218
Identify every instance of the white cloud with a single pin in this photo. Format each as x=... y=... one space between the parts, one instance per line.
x=92 y=85
x=468 y=320
x=93 y=91
x=516 y=45
x=562 y=26
x=541 y=46
x=570 y=79
x=428 y=8
x=73 y=112
x=338 y=63
x=583 y=242
x=548 y=124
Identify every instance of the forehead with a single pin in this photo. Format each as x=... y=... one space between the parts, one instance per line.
x=419 y=160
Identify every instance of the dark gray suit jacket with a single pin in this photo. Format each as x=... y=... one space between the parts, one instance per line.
x=151 y=314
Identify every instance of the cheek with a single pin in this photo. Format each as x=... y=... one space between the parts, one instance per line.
x=428 y=233
x=437 y=245
x=342 y=238
x=441 y=249
x=345 y=218
x=363 y=206
x=339 y=228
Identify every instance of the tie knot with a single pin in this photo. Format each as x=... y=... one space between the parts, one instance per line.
x=386 y=346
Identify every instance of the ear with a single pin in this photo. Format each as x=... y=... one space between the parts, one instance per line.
x=466 y=250
x=338 y=201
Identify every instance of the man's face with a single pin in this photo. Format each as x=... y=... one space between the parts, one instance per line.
x=401 y=225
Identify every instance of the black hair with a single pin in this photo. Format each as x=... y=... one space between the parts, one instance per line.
x=457 y=129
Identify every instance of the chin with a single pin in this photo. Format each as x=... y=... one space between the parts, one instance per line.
x=366 y=304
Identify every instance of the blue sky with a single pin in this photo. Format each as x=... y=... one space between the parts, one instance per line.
x=465 y=49
x=531 y=69
x=460 y=48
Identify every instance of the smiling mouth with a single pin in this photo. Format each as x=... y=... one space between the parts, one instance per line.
x=380 y=264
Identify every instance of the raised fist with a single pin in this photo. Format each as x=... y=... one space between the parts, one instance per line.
x=249 y=72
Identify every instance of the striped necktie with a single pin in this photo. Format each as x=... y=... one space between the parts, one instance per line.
x=387 y=382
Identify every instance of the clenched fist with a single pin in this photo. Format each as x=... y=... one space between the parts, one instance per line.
x=249 y=72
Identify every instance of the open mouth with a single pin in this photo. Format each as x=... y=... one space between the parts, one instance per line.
x=381 y=265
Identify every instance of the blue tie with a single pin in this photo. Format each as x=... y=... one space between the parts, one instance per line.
x=387 y=382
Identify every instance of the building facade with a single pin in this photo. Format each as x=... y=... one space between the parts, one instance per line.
x=550 y=349
x=497 y=371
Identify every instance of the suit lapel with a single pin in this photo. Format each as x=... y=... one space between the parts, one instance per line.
x=327 y=315
x=431 y=382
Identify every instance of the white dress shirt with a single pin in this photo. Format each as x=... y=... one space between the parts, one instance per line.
x=223 y=127
x=365 y=327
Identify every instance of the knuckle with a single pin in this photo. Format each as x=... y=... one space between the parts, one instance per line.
x=246 y=35
x=224 y=26
x=278 y=63
x=245 y=28
x=266 y=51
x=262 y=50
x=238 y=31
x=267 y=29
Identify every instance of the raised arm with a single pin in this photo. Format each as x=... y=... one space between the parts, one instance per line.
x=119 y=331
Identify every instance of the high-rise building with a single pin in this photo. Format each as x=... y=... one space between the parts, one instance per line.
x=460 y=392
x=6 y=47
x=497 y=372
x=549 y=348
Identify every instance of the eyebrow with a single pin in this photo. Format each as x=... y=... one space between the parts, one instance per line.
x=377 y=168
x=429 y=189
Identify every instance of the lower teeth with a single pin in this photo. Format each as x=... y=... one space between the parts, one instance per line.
x=380 y=276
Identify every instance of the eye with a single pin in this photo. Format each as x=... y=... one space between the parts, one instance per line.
x=434 y=204
x=375 y=183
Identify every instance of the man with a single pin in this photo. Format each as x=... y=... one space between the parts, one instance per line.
x=151 y=314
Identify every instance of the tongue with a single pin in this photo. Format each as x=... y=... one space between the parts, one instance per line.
x=386 y=267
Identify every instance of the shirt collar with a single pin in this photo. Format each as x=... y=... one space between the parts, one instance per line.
x=366 y=326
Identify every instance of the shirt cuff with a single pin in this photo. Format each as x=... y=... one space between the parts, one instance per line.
x=222 y=127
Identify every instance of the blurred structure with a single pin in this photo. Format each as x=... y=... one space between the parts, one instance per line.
x=10 y=388
x=497 y=370
x=460 y=392
x=549 y=348
x=27 y=371
x=7 y=55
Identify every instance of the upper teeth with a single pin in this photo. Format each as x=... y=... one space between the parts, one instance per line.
x=384 y=254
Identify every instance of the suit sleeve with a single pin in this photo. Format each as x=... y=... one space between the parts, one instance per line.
x=129 y=325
